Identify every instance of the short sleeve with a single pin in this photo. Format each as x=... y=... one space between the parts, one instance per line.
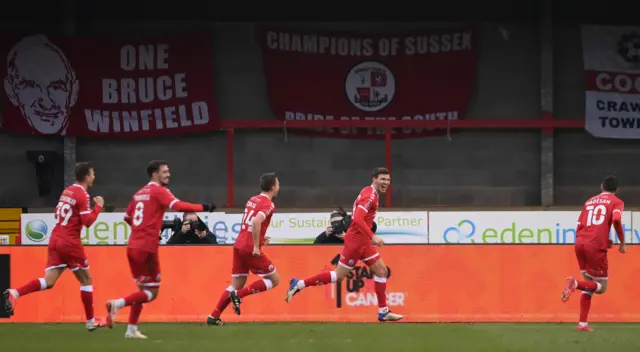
x=266 y=208
x=165 y=198
x=83 y=202
x=618 y=207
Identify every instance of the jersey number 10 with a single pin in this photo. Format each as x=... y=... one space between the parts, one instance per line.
x=596 y=214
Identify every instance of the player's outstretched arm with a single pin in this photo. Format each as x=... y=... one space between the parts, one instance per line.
x=168 y=200
x=179 y=205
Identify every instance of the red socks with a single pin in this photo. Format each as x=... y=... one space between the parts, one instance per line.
x=223 y=302
x=32 y=286
x=585 y=305
x=134 y=313
x=381 y=291
x=86 y=294
x=138 y=297
x=255 y=287
x=325 y=277
x=590 y=286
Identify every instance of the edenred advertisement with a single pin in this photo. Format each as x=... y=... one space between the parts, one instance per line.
x=474 y=283
x=330 y=75
x=123 y=87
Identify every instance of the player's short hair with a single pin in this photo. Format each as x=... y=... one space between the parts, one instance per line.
x=610 y=183
x=82 y=170
x=380 y=171
x=154 y=166
x=268 y=181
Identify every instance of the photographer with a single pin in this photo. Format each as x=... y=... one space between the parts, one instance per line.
x=334 y=233
x=192 y=231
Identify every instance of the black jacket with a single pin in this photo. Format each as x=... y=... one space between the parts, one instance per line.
x=323 y=238
x=190 y=237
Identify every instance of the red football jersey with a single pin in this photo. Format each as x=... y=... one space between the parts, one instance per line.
x=146 y=211
x=74 y=202
x=256 y=205
x=596 y=219
x=368 y=201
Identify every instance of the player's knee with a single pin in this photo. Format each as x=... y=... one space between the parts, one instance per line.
x=339 y=276
x=152 y=293
x=381 y=271
x=275 y=280
x=603 y=288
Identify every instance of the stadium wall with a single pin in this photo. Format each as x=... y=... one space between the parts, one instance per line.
x=483 y=167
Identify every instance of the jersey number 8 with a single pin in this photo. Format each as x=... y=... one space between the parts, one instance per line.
x=138 y=214
x=596 y=214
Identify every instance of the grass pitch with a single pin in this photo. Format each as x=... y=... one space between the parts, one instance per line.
x=281 y=337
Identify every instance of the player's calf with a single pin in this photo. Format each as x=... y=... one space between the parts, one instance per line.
x=266 y=284
x=323 y=278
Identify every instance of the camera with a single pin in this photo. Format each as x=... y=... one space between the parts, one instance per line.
x=198 y=225
x=175 y=225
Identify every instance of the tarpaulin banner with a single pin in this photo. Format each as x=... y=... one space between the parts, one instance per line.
x=93 y=86
x=428 y=283
x=327 y=75
x=612 y=81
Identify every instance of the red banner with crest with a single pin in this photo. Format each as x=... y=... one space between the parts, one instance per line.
x=324 y=75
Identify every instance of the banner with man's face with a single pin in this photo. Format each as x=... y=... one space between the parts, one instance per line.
x=108 y=87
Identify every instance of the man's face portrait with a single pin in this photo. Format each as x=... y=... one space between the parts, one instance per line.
x=41 y=82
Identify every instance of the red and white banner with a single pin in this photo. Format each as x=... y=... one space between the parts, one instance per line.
x=108 y=87
x=612 y=81
x=321 y=75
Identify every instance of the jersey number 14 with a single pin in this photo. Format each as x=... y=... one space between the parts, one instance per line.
x=247 y=219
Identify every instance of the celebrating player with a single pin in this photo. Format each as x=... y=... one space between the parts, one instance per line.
x=65 y=248
x=592 y=241
x=359 y=245
x=145 y=214
x=247 y=253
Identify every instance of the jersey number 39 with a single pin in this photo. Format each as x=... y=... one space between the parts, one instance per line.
x=63 y=212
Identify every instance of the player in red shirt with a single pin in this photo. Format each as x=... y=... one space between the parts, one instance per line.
x=359 y=244
x=247 y=250
x=65 y=247
x=592 y=242
x=145 y=214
